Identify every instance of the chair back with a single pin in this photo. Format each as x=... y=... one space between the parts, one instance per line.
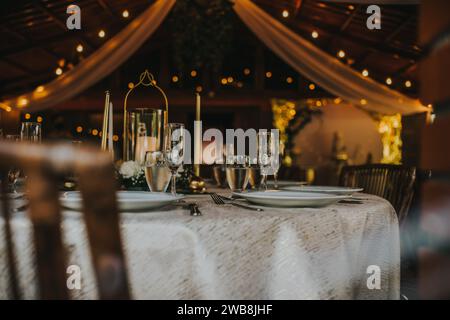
x=394 y=183
x=43 y=166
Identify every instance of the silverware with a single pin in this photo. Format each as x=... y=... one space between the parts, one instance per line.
x=193 y=207
x=195 y=211
x=351 y=202
x=219 y=200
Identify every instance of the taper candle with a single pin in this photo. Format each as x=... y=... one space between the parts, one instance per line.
x=197 y=136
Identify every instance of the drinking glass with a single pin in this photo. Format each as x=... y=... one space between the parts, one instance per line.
x=174 y=150
x=238 y=173
x=144 y=133
x=157 y=173
x=268 y=155
x=31 y=132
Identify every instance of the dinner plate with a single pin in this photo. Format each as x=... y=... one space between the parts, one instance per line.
x=277 y=198
x=286 y=183
x=16 y=199
x=127 y=200
x=323 y=189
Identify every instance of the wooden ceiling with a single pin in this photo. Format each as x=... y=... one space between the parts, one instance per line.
x=35 y=38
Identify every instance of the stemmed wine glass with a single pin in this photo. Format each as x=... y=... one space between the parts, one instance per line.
x=174 y=150
x=268 y=155
x=31 y=132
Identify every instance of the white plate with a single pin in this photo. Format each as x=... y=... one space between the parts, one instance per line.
x=323 y=189
x=277 y=198
x=286 y=183
x=16 y=199
x=127 y=200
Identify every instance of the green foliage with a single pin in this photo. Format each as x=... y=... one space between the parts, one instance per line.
x=202 y=32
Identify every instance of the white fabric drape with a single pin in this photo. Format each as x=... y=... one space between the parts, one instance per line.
x=321 y=68
x=99 y=64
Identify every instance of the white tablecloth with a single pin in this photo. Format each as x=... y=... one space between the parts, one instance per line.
x=233 y=253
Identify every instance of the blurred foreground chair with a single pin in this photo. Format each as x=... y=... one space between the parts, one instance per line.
x=42 y=166
x=394 y=183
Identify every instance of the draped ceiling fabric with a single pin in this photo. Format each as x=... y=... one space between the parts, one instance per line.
x=302 y=55
x=99 y=64
x=323 y=69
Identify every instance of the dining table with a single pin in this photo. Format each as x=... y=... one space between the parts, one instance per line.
x=229 y=252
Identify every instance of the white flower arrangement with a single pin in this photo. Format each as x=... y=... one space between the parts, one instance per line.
x=130 y=169
x=132 y=174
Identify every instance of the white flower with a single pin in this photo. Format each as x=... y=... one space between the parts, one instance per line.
x=129 y=169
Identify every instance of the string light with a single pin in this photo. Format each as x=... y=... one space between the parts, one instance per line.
x=101 y=33
x=39 y=119
x=40 y=89
x=27 y=116
x=246 y=71
x=341 y=54
x=125 y=14
x=224 y=81
x=80 y=48
x=79 y=129
x=230 y=79
x=312 y=86
x=175 y=79
x=22 y=102
x=388 y=81
x=285 y=13
x=94 y=132
x=365 y=73
x=199 y=89
x=289 y=80
x=351 y=7
x=193 y=73
x=58 y=71
x=115 y=138
x=363 y=102
x=268 y=74
x=408 y=84
x=315 y=34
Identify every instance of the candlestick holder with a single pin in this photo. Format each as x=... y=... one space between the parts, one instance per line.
x=146 y=79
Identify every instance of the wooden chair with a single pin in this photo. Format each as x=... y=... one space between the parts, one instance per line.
x=42 y=166
x=394 y=183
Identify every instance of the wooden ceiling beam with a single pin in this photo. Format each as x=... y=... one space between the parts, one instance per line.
x=27 y=40
x=17 y=65
x=61 y=24
x=357 y=41
x=349 y=19
x=105 y=6
x=386 y=40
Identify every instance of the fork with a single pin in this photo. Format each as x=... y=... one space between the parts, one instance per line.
x=219 y=201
